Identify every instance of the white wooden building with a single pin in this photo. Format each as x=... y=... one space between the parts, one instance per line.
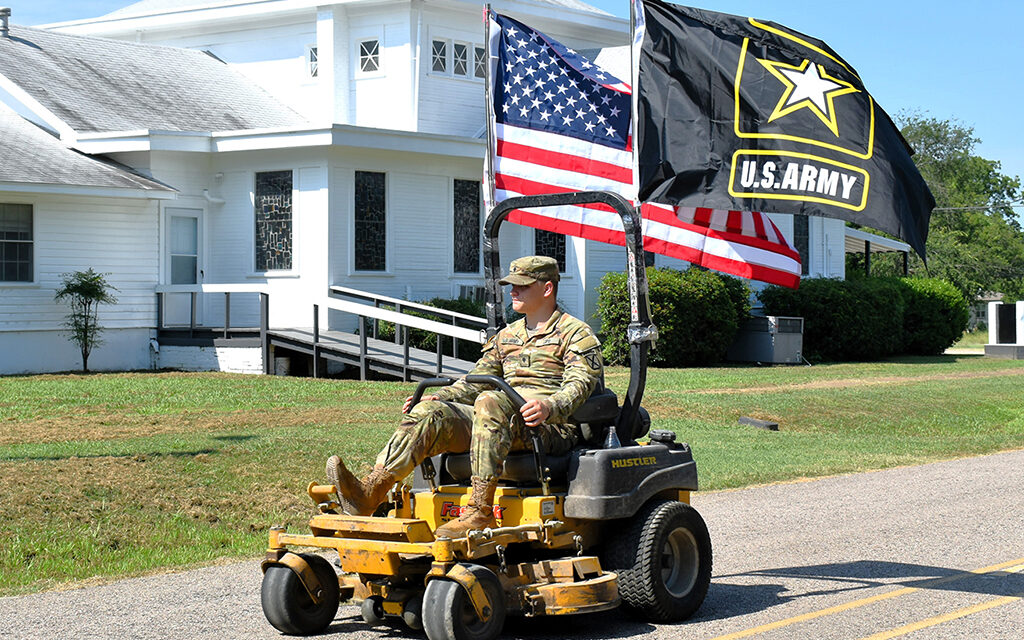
x=288 y=145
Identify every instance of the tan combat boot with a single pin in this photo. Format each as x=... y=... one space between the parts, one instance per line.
x=359 y=498
x=479 y=514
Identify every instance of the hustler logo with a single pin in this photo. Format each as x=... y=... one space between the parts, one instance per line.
x=451 y=510
x=634 y=462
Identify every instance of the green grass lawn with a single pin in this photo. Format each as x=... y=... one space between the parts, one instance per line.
x=120 y=474
x=973 y=339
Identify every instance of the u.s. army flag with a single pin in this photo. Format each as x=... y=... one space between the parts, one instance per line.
x=737 y=113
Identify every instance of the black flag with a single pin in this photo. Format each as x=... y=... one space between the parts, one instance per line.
x=737 y=113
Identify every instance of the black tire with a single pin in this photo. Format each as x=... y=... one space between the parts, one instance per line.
x=449 y=615
x=289 y=608
x=663 y=559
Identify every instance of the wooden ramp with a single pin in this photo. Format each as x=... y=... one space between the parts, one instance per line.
x=379 y=356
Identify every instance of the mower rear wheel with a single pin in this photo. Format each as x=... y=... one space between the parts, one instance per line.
x=448 y=613
x=287 y=605
x=663 y=561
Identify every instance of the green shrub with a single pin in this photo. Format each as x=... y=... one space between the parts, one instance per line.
x=422 y=339
x=936 y=315
x=697 y=313
x=871 y=318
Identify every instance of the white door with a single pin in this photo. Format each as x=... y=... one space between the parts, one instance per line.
x=183 y=264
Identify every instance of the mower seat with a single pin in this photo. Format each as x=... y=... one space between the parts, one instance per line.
x=520 y=468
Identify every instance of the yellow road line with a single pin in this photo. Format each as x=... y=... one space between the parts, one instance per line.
x=771 y=626
x=931 y=622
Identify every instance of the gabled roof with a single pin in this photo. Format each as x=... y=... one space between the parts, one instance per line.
x=101 y=85
x=31 y=156
x=150 y=7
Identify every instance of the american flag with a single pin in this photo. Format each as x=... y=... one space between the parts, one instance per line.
x=561 y=123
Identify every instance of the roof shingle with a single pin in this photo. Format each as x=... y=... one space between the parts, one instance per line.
x=100 y=85
x=30 y=155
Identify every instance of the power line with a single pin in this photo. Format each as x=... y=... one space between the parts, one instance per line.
x=1011 y=205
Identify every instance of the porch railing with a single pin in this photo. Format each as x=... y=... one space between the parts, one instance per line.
x=368 y=307
x=194 y=290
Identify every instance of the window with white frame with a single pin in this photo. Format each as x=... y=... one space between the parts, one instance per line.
x=369 y=55
x=370 y=237
x=272 y=196
x=439 y=56
x=16 y=244
x=312 y=62
x=550 y=244
x=466 y=225
x=479 y=61
x=460 y=59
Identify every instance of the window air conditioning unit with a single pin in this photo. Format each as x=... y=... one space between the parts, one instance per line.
x=769 y=340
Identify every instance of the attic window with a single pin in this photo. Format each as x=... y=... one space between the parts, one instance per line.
x=312 y=62
x=460 y=59
x=369 y=56
x=439 y=56
x=479 y=62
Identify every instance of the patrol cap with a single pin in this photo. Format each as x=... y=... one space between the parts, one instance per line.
x=529 y=269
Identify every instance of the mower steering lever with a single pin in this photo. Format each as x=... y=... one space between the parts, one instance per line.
x=427 y=384
x=518 y=401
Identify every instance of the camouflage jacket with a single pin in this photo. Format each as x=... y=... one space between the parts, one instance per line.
x=560 y=363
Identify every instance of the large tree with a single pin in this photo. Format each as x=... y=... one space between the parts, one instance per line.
x=975 y=239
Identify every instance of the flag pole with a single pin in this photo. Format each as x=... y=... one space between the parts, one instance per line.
x=634 y=82
x=495 y=310
x=488 y=115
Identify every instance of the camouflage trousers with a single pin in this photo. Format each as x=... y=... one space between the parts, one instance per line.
x=488 y=430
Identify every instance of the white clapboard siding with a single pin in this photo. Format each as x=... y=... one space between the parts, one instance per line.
x=117 y=237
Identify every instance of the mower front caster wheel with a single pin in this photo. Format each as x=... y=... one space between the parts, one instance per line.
x=448 y=613
x=287 y=605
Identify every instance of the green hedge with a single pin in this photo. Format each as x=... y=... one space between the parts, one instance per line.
x=421 y=339
x=697 y=313
x=871 y=318
x=936 y=315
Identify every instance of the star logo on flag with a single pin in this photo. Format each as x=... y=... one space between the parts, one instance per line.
x=808 y=86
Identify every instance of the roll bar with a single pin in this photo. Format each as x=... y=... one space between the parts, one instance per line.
x=640 y=332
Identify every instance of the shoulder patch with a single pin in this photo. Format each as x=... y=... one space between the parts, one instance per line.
x=593 y=358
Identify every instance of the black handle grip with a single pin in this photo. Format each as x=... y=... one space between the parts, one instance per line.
x=495 y=381
x=427 y=384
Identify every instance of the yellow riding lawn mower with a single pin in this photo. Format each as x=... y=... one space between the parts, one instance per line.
x=604 y=525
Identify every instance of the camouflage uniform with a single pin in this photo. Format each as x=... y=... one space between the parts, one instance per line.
x=559 y=363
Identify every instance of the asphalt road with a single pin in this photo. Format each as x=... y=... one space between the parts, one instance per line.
x=876 y=555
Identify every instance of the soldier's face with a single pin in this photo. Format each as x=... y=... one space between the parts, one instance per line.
x=529 y=297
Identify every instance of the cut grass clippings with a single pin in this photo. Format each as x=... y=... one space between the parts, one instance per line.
x=108 y=475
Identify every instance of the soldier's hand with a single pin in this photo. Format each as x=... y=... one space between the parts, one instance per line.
x=408 y=402
x=535 y=412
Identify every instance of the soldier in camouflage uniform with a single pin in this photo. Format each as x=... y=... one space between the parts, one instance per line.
x=552 y=359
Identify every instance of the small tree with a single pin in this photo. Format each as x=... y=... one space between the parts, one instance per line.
x=84 y=291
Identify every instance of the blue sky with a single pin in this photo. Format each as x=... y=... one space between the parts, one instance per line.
x=946 y=59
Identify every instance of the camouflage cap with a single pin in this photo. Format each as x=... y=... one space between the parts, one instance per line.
x=529 y=269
